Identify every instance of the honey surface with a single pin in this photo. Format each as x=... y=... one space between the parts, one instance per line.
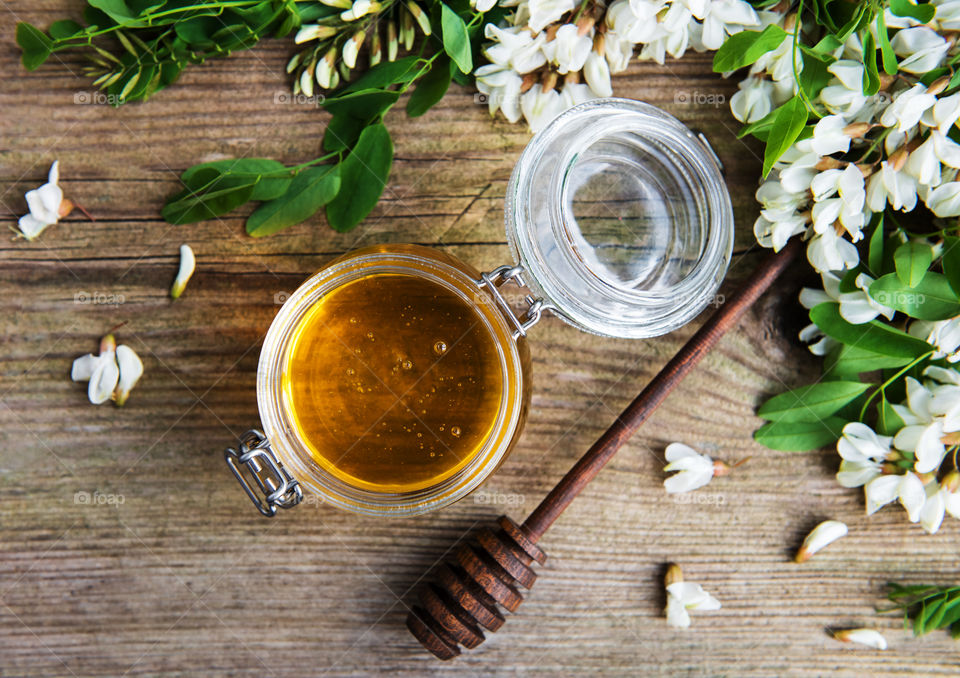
x=394 y=382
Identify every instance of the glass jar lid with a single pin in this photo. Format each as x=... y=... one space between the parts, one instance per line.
x=621 y=218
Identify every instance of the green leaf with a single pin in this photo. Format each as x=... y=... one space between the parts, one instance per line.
x=922 y=13
x=64 y=28
x=745 y=47
x=759 y=128
x=887 y=56
x=847 y=361
x=912 y=259
x=342 y=132
x=119 y=12
x=871 y=76
x=811 y=403
x=35 y=45
x=815 y=76
x=800 y=436
x=950 y=262
x=310 y=190
x=456 y=41
x=211 y=196
x=828 y=44
x=363 y=176
x=366 y=104
x=790 y=120
x=430 y=88
x=268 y=188
x=873 y=336
x=931 y=299
x=875 y=250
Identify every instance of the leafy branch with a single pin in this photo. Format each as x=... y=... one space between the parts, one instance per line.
x=927 y=608
x=149 y=42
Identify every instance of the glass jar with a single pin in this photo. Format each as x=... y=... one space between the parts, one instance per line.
x=395 y=380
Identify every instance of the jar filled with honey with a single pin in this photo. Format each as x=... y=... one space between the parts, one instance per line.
x=396 y=379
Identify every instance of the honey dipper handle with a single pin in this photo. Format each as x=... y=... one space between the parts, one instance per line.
x=659 y=388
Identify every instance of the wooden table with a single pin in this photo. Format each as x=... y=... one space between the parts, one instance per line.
x=177 y=574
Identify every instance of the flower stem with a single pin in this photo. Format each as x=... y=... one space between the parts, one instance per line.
x=903 y=370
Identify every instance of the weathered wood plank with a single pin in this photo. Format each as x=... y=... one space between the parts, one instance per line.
x=183 y=577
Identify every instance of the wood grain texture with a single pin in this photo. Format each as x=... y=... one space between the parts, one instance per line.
x=184 y=578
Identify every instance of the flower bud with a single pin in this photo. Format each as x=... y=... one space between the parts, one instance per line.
x=869 y=637
x=951 y=481
x=422 y=19
x=599 y=44
x=392 y=42
x=822 y=535
x=898 y=159
x=549 y=81
x=529 y=80
x=855 y=130
x=826 y=162
x=938 y=85
x=585 y=24
x=376 y=53
x=66 y=207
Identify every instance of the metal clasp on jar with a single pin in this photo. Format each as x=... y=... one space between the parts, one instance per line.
x=277 y=486
x=535 y=307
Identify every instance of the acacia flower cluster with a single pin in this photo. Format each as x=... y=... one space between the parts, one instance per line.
x=549 y=55
x=917 y=467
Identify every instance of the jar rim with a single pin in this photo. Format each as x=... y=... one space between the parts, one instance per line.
x=289 y=444
x=541 y=238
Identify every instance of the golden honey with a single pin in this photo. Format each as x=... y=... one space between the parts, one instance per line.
x=394 y=382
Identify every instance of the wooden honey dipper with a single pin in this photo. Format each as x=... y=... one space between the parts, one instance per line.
x=485 y=576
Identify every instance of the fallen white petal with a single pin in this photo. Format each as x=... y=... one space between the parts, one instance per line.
x=104 y=379
x=131 y=369
x=84 y=367
x=823 y=534
x=677 y=615
x=869 y=637
x=187 y=264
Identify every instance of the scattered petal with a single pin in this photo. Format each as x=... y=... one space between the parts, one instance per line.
x=869 y=637
x=187 y=264
x=823 y=534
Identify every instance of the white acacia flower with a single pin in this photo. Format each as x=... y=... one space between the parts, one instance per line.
x=46 y=204
x=596 y=71
x=753 y=99
x=574 y=93
x=617 y=51
x=797 y=168
x=869 y=637
x=635 y=20
x=943 y=334
x=844 y=96
x=934 y=507
x=778 y=63
x=540 y=108
x=780 y=218
x=111 y=373
x=906 y=109
x=829 y=136
x=515 y=48
x=890 y=186
x=924 y=162
x=906 y=488
x=828 y=251
x=944 y=200
x=685 y=596
x=720 y=19
x=947 y=17
x=483 y=5
x=822 y=535
x=360 y=9
x=944 y=114
x=693 y=470
x=922 y=49
x=847 y=207
x=862 y=450
x=188 y=263
x=501 y=85
x=568 y=50
x=856 y=307
x=545 y=12
x=924 y=429
x=131 y=369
